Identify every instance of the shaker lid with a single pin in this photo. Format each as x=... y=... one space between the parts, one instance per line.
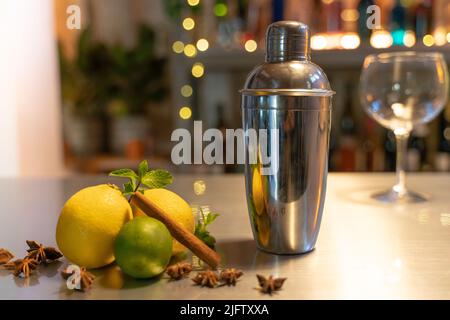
x=287 y=40
x=288 y=69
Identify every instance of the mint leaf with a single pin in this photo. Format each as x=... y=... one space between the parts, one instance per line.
x=210 y=218
x=209 y=240
x=157 y=178
x=142 y=168
x=200 y=228
x=125 y=173
x=128 y=187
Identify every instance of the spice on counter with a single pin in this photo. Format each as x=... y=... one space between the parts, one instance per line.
x=21 y=267
x=206 y=278
x=42 y=254
x=82 y=282
x=270 y=284
x=5 y=256
x=230 y=276
x=179 y=270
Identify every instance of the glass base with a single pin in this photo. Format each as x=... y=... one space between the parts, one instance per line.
x=392 y=196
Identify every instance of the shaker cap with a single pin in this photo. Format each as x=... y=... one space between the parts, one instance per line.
x=287 y=40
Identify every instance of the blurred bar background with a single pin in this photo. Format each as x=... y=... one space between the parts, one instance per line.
x=138 y=69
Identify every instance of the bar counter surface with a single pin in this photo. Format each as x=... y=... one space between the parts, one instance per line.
x=366 y=250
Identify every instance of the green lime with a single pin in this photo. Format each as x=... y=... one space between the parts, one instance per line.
x=143 y=247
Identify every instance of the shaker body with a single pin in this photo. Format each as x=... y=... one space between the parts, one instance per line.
x=285 y=206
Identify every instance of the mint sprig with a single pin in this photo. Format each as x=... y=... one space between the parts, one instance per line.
x=144 y=178
x=200 y=228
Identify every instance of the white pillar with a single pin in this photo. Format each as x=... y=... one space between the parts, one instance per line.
x=30 y=115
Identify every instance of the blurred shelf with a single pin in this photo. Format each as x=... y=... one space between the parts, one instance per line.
x=98 y=164
x=220 y=59
x=103 y=164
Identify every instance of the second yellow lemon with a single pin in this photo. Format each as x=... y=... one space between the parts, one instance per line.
x=174 y=206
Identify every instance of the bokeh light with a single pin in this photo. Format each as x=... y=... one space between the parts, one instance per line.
x=349 y=15
x=409 y=39
x=250 y=45
x=202 y=44
x=199 y=187
x=220 y=9
x=428 y=40
x=381 y=39
x=440 y=36
x=198 y=70
x=186 y=91
x=190 y=50
x=350 y=41
x=193 y=3
x=188 y=23
x=185 y=113
x=178 y=47
x=318 y=42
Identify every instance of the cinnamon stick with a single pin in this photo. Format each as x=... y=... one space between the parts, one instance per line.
x=178 y=231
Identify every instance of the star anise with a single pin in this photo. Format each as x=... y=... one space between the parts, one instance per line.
x=42 y=254
x=270 y=284
x=179 y=270
x=81 y=280
x=230 y=276
x=5 y=256
x=21 y=267
x=206 y=278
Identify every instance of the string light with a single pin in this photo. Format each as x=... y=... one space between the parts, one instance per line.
x=185 y=113
x=350 y=41
x=186 y=91
x=381 y=39
x=198 y=70
x=178 y=47
x=220 y=9
x=202 y=44
x=409 y=39
x=250 y=45
x=193 y=3
x=190 y=51
x=188 y=23
x=428 y=40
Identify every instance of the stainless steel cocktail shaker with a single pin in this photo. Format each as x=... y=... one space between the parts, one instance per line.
x=286 y=109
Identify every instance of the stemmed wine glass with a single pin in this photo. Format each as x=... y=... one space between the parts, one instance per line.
x=400 y=90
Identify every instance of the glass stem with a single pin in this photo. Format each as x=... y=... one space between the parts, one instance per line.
x=402 y=149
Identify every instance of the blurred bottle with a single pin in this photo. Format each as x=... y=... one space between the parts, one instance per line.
x=363 y=31
x=331 y=11
x=259 y=17
x=417 y=148
x=277 y=10
x=442 y=157
x=398 y=23
x=372 y=147
x=347 y=150
x=423 y=18
x=302 y=11
x=389 y=151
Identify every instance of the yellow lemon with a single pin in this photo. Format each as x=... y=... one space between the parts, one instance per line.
x=89 y=223
x=175 y=206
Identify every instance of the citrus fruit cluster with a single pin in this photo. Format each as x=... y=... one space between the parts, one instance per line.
x=98 y=226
